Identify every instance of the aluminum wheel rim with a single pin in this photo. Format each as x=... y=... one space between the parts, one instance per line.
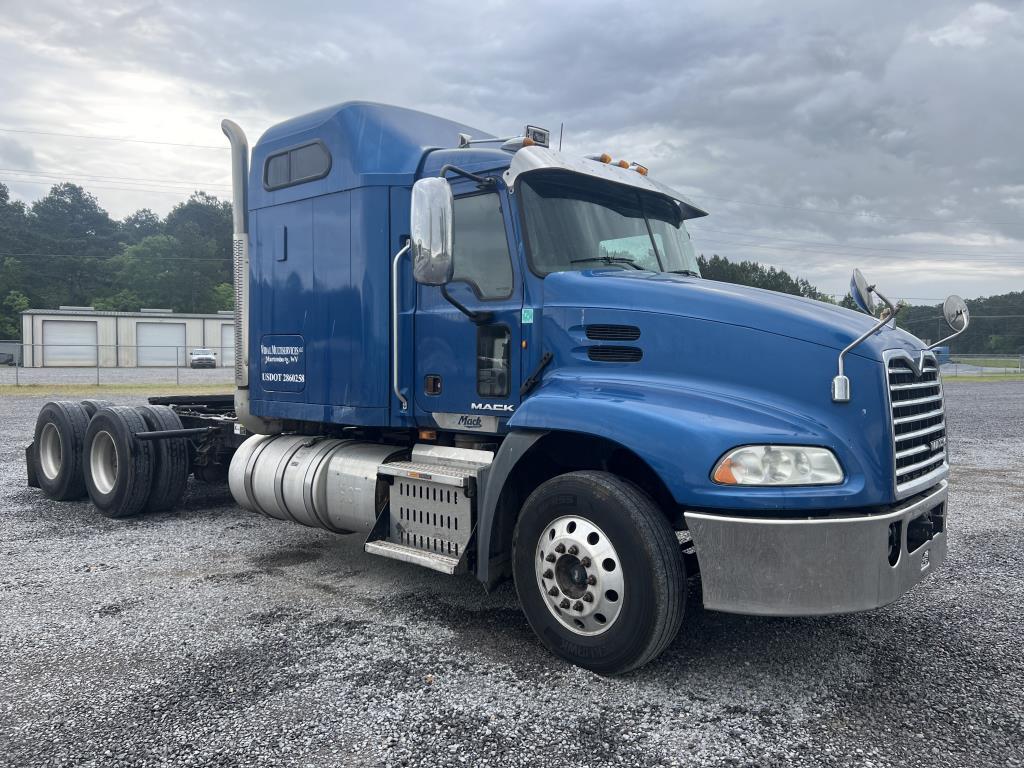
x=51 y=451
x=103 y=462
x=579 y=575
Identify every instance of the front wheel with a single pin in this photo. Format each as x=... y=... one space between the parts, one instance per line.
x=598 y=571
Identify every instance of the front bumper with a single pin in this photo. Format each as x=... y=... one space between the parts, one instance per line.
x=815 y=566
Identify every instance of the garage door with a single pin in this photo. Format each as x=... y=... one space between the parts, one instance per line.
x=160 y=343
x=227 y=346
x=69 y=342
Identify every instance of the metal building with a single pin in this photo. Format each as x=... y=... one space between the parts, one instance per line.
x=83 y=336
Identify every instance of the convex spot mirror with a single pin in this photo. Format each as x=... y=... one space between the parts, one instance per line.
x=861 y=292
x=430 y=231
x=954 y=309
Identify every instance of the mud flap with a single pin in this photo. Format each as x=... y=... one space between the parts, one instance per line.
x=30 y=465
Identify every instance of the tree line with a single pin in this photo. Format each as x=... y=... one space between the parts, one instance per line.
x=65 y=249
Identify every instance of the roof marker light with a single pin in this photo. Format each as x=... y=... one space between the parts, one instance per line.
x=641 y=169
x=623 y=164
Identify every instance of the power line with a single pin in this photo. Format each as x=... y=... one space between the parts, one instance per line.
x=64 y=175
x=811 y=209
x=105 y=258
x=113 y=138
x=697 y=231
x=164 y=191
x=922 y=254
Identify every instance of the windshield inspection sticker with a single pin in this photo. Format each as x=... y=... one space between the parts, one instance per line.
x=283 y=363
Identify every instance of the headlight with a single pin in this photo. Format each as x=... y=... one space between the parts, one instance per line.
x=778 y=465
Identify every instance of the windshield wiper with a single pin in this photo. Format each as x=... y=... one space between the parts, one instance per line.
x=687 y=272
x=608 y=260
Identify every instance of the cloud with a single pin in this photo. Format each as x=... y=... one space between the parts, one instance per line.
x=815 y=130
x=972 y=28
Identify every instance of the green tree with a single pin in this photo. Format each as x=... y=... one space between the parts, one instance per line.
x=73 y=241
x=139 y=225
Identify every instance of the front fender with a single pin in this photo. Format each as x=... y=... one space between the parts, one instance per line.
x=682 y=432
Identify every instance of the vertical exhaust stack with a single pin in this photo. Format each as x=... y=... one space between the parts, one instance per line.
x=240 y=259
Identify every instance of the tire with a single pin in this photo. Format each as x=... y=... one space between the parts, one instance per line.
x=91 y=406
x=118 y=468
x=58 y=450
x=170 y=469
x=621 y=601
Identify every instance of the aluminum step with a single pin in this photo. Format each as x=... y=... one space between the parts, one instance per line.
x=432 y=560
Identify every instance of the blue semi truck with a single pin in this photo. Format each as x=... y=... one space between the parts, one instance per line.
x=489 y=357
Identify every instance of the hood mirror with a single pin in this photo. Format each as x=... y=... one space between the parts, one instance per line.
x=861 y=292
x=430 y=229
x=954 y=309
x=864 y=296
x=958 y=317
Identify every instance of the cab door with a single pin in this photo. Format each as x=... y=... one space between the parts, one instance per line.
x=467 y=371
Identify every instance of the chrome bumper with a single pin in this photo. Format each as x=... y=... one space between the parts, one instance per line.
x=814 y=566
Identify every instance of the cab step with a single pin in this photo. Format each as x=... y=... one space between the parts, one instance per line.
x=431 y=512
x=414 y=555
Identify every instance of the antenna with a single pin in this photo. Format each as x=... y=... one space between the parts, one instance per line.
x=560 y=127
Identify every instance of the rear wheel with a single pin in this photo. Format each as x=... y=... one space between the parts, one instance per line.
x=118 y=468
x=170 y=470
x=59 y=440
x=91 y=406
x=598 y=571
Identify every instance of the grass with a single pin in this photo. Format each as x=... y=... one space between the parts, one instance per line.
x=94 y=391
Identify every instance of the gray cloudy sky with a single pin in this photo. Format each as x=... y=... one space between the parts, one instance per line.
x=820 y=135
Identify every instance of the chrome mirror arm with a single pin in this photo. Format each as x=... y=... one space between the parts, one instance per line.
x=841 y=384
x=967 y=322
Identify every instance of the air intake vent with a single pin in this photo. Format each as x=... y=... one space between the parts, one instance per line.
x=611 y=354
x=918 y=419
x=613 y=332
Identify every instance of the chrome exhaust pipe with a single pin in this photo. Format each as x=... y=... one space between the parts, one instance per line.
x=240 y=263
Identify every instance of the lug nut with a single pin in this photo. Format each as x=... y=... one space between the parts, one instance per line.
x=560 y=549
x=577 y=606
x=564 y=605
x=548 y=574
x=553 y=591
x=591 y=579
x=574 y=550
x=585 y=562
x=588 y=598
x=551 y=557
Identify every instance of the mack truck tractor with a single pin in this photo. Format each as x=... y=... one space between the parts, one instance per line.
x=484 y=356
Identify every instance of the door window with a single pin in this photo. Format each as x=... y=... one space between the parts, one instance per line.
x=492 y=361
x=481 y=251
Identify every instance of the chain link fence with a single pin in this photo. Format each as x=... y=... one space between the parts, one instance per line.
x=108 y=364
x=983 y=365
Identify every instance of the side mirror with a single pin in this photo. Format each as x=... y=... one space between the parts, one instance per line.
x=954 y=309
x=861 y=293
x=431 y=231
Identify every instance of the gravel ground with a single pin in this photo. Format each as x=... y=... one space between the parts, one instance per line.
x=210 y=636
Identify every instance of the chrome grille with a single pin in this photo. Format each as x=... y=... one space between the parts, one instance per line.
x=918 y=420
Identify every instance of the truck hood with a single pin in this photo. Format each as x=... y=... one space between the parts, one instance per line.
x=768 y=311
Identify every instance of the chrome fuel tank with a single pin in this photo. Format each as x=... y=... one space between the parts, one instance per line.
x=319 y=482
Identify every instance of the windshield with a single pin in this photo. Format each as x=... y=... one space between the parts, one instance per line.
x=574 y=223
x=202 y=351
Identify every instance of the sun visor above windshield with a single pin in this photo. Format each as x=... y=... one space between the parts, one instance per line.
x=535 y=158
